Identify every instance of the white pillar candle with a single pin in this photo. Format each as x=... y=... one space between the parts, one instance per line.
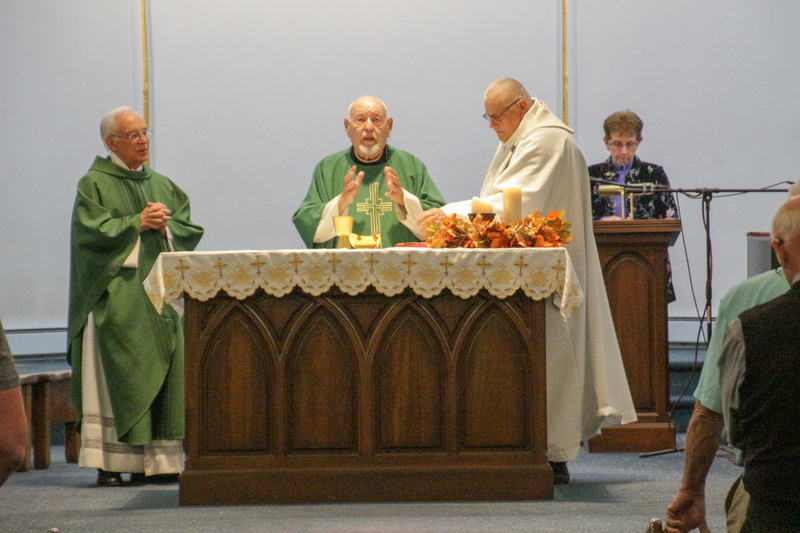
x=479 y=206
x=512 y=205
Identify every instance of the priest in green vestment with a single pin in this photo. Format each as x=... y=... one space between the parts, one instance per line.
x=384 y=189
x=127 y=360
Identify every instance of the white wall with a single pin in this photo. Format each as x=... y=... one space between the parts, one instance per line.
x=253 y=94
x=247 y=96
x=62 y=65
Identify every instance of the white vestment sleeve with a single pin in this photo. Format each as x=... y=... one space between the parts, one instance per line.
x=132 y=261
x=170 y=240
x=325 y=229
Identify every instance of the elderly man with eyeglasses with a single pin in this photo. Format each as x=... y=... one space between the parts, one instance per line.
x=127 y=360
x=384 y=189
x=586 y=384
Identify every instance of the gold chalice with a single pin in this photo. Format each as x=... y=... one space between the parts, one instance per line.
x=344 y=227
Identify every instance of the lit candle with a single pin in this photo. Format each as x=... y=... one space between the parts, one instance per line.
x=512 y=204
x=479 y=206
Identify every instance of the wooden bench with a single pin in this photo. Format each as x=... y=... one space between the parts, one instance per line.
x=46 y=399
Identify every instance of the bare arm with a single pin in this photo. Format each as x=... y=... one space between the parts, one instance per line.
x=688 y=510
x=13 y=432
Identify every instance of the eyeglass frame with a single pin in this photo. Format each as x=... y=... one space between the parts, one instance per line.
x=618 y=145
x=135 y=135
x=378 y=122
x=498 y=117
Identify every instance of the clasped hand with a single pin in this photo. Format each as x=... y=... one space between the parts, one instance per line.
x=155 y=216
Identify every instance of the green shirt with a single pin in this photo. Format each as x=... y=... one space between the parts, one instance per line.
x=741 y=297
x=372 y=211
x=142 y=351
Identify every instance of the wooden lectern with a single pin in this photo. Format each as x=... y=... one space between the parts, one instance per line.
x=633 y=256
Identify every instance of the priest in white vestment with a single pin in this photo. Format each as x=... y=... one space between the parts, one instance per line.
x=586 y=384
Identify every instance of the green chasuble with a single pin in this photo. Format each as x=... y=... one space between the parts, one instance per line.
x=372 y=211
x=142 y=351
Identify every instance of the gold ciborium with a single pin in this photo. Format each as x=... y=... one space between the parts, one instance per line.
x=364 y=241
x=344 y=227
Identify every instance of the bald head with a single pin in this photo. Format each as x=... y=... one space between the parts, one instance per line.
x=368 y=101
x=508 y=88
x=368 y=126
x=506 y=101
x=786 y=237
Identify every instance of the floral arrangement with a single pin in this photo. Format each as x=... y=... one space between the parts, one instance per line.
x=532 y=232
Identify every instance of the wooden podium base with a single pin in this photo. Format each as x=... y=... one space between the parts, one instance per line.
x=633 y=255
x=636 y=437
x=375 y=484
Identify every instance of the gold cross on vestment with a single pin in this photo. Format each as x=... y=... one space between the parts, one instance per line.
x=374 y=207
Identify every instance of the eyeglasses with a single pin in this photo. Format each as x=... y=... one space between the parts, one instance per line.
x=376 y=121
x=134 y=135
x=618 y=145
x=498 y=117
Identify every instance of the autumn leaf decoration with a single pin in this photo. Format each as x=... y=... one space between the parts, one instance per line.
x=535 y=231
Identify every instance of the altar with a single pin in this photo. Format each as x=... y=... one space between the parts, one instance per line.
x=365 y=375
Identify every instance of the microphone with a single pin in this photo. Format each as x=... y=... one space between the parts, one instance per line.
x=645 y=188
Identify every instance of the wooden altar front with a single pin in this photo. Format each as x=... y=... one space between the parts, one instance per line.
x=332 y=376
x=633 y=256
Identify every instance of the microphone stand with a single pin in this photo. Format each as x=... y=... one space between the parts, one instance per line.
x=706 y=195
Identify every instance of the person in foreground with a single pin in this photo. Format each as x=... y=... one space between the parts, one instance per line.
x=586 y=384
x=386 y=187
x=622 y=136
x=704 y=433
x=759 y=378
x=13 y=426
x=127 y=360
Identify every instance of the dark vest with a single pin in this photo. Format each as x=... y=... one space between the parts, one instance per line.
x=767 y=424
